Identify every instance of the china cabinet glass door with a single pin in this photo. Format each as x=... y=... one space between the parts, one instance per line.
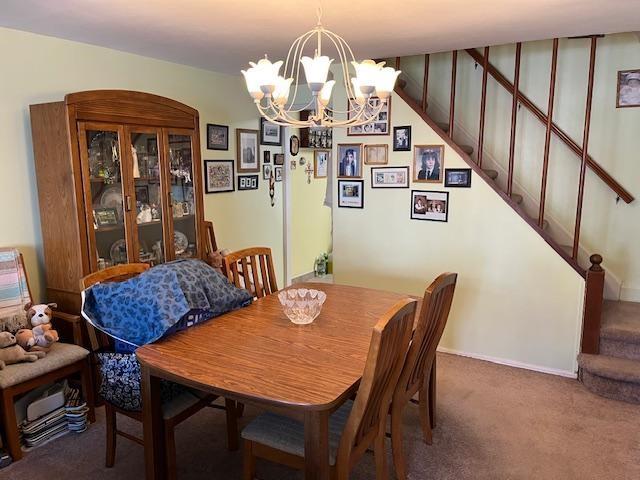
x=149 y=233
x=105 y=180
x=179 y=151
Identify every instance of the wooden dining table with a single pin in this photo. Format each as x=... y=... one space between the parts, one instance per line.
x=256 y=355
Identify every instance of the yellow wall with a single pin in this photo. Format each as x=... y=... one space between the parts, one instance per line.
x=43 y=69
x=517 y=301
x=310 y=219
x=609 y=228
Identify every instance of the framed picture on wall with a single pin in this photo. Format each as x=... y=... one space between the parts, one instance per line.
x=321 y=159
x=350 y=160
x=457 y=177
x=218 y=176
x=247 y=151
x=247 y=182
x=428 y=163
x=628 y=89
x=266 y=156
x=379 y=126
x=376 y=154
x=402 y=139
x=217 y=137
x=278 y=158
x=277 y=173
x=270 y=133
x=266 y=172
x=390 y=177
x=351 y=193
x=430 y=205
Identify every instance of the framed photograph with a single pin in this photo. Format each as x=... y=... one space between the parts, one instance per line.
x=277 y=173
x=247 y=151
x=457 y=177
x=351 y=193
x=105 y=217
x=628 y=88
x=217 y=137
x=218 y=176
x=266 y=156
x=152 y=146
x=430 y=205
x=266 y=172
x=278 y=158
x=294 y=145
x=321 y=159
x=350 y=160
x=376 y=154
x=379 y=126
x=270 y=133
x=247 y=182
x=142 y=194
x=428 y=163
x=402 y=139
x=390 y=177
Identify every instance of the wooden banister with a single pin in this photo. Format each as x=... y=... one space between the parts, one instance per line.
x=483 y=106
x=514 y=117
x=563 y=136
x=425 y=82
x=452 y=101
x=593 y=301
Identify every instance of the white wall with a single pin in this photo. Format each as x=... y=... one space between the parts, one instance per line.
x=609 y=228
x=517 y=301
x=43 y=69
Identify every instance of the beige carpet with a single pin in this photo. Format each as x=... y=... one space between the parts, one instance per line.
x=494 y=422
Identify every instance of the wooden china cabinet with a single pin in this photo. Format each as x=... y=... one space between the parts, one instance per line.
x=119 y=180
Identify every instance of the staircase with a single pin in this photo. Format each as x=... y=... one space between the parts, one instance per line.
x=609 y=364
x=615 y=371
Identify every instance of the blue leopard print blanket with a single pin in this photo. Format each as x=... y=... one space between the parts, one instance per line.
x=161 y=300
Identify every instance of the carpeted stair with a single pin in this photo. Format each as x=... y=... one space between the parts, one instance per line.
x=615 y=372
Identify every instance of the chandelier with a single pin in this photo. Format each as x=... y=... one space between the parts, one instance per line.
x=367 y=91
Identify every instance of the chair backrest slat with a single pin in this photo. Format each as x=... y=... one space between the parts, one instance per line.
x=246 y=263
x=387 y=350
x=432 y=320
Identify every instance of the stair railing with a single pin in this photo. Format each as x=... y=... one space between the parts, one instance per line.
x=593 y=301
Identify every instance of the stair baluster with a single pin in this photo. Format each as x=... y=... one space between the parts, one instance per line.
x=425 y=83
x=483 y=104
x=452 y=101
x=593 y=299
x=514 y=116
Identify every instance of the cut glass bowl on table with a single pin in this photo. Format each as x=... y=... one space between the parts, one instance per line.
x=301 y=305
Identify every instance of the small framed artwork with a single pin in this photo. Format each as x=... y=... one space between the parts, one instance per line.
x=247 y=151
x=628 y=89
x=218 y=176
x=457 y=177
x=350 y=160
x=376 y=154
x=278 y=158
x=217 y=137
x=270 y=133
x=152 y=146
x=402 y=139
x=277 y=173
x=142 y=193
x=428 y=163
x=266 y=172
x=266 y=156
x=351 y=193
x=321 y=159
x=390 y=177
x=379 y=125
x=430 y=205
x=294 y=145
x=105 y=217
x=247 y=182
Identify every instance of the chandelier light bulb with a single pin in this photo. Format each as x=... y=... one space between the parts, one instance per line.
x=367 y=73
x=316 y=70
x=360 y=100
x=385 y=81
x=281 y=92
x=253 y=82
x=267 y=73
x=325 y=93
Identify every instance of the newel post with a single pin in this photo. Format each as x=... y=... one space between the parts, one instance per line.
x=593 y=300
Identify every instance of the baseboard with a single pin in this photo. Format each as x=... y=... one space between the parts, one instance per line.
x=305 y=277
x=630 y=294
x=511 y=363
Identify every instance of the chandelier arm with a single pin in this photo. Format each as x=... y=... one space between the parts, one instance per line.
x=295 y=67
x=361 y=118
x=344 y=59
x=357 y=107
x=281 y=118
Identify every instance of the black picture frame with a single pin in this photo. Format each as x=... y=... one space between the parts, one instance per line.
x=403 y=148
x=220 y=145
x=278 y=158
x=277 y=173
x=105 y=217
x=266 y=156
x=451 y=177
x=426 y=216
x=405 y=170
x=248 y=182
x=360 y=183
x=263 y=124
x=294 y=145
x=211 y=164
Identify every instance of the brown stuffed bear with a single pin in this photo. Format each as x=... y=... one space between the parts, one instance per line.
x=11 y=352
x=42 y=334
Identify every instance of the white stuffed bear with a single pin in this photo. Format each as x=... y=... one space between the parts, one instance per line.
x=43 y=333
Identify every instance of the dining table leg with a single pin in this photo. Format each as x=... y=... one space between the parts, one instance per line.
x=153 y=427
x=316 y=445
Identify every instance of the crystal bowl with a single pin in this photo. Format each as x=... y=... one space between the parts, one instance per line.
x=301 y=305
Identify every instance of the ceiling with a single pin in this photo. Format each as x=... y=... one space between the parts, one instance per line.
x=224 y=35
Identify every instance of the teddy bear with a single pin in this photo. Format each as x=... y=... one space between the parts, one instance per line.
x=11 y=352
x=42 y=335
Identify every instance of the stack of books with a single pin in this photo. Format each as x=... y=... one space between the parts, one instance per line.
x=75 y=411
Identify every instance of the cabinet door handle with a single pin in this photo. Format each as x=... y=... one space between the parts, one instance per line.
x=127 y=200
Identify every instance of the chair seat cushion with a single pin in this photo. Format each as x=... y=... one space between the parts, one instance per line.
x=60 y=355
x=287 y=435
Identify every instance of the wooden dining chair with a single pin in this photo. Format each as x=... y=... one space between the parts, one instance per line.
x=252 y=269
x=175 y=411
x=358 y=424
x=419 y=372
